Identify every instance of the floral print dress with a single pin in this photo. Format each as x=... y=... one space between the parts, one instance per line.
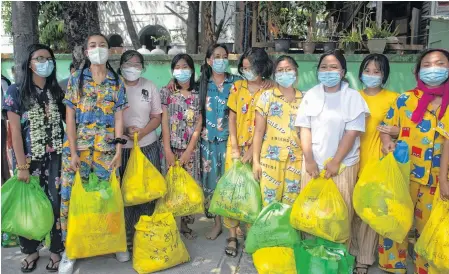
x=183 y=113
x=95 y=108
x=42 y=132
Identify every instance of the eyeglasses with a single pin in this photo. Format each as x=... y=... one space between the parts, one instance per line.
x=132 y=65
x=42 y=59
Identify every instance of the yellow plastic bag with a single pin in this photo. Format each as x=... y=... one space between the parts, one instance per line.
x=321 y=211
x=382 y=199
x=142 y=182
x=184 y=196
x=275 y=260
x=96 y=224
x=157 y=244
x=433 y=244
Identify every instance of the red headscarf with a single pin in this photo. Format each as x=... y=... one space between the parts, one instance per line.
x=429 y=93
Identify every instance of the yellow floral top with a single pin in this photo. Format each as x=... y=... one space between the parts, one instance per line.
x=95 y=110
x=281 y=140
x=425 y=139
x=243 y=103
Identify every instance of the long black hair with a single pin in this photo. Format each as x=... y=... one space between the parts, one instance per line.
x=27 y=89
x=128 y=55
x=424 y=54
x=87 y=65
x=260 y=62
x=206 y=73
x=190 y=63
x=381 y=62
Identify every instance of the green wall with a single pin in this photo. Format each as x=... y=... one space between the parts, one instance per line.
x=158 y=69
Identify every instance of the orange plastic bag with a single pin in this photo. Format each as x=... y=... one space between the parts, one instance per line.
x=142 y=182
x=96 y=224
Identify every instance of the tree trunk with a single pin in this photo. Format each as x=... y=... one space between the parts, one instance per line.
x=206 y=26
x=192 y=26
x=239 y=26
x=80 y=20
x=24 y=31
x=129 y=25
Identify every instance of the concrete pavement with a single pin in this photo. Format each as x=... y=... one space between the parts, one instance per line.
x=206 y=257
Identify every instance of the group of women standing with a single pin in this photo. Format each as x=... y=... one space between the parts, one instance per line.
x=288 y=136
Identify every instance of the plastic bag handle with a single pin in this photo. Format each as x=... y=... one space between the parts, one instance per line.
x=136 y=139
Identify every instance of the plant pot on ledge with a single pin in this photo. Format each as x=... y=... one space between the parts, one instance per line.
x=350 y=47
x=308 y=47
x=329 y=46
x=377 y=45
x=282 y=45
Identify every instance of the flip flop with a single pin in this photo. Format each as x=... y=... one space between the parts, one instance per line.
x=26 y=269
x=52 y=268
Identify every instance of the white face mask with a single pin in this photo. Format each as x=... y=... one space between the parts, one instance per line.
x=98 y=56
x=131 y=74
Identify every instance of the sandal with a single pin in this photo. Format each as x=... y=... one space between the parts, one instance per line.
x=52 y=268
x=26 y=269
x=231 y=251
x=188 y=234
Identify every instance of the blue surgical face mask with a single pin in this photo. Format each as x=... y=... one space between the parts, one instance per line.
x=220 y=65
x=182 y=75
x=433 y=76
x=285 y=79
x=372 y=81
x=44 y=69
x=249 y=75
x=329 y=78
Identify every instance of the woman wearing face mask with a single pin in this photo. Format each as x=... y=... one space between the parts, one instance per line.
x=277 y=155
x=181 y=126
x=95 y=100
x=215 y=85
x=142 y=116
x=423 y=119
x=331 y=119
x=373 y=73
x=255 y=65
x=35 y=111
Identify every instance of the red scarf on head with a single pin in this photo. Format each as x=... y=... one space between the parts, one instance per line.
x=429 y=93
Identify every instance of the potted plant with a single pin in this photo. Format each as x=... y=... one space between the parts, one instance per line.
x=279 y=25
x=350 y=41
x=378 y=35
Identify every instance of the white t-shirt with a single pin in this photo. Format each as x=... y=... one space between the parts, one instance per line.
x=143 y=100
x=328 y=128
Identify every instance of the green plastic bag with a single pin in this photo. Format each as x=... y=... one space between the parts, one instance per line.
x=272 y=228
x=319 y=256
x=237 y=195
x=103 y=187
x=26 y=210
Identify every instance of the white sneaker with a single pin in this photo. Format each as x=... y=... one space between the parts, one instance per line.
x=66 y=265
x=122 y=256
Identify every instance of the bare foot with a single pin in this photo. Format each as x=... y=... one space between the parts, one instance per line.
x=214 y=233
